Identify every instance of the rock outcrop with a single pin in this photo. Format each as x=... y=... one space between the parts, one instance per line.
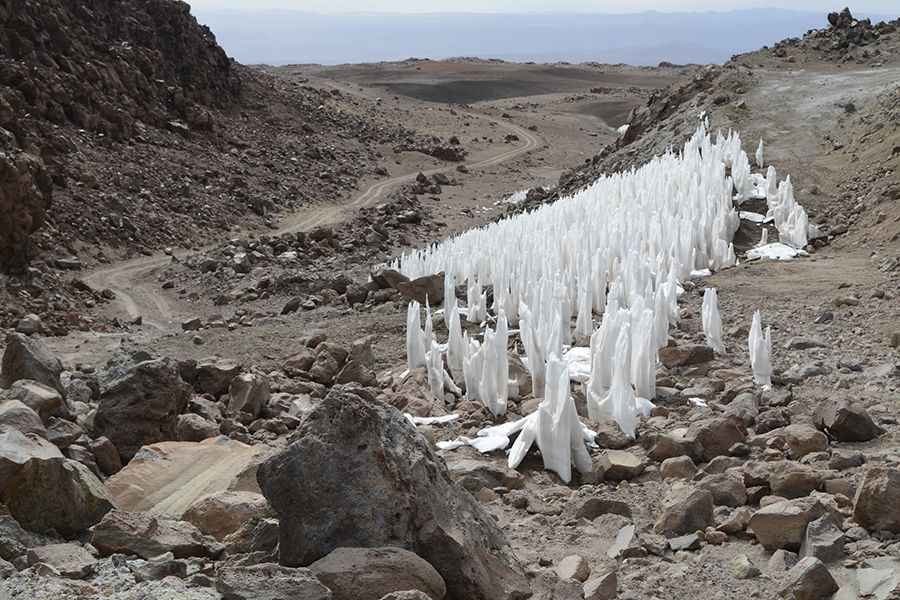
x=358 y=475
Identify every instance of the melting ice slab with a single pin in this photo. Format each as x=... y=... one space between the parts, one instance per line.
x=775 y=251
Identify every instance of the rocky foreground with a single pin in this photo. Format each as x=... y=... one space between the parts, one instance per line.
x=153 y=477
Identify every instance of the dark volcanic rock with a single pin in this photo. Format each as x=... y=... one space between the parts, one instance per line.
x=847 y=422
x=358 y=475
x=142 y=407
x=25 y=193
x=56 y=494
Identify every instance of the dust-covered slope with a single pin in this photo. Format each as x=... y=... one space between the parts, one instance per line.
x=125 y=128
x=825 y=104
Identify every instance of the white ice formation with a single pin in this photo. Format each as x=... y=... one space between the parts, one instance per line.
x=760 y=352
x=712 y=320
x=604 y=263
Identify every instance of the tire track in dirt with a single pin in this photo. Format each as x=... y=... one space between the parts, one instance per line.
x=136 y=297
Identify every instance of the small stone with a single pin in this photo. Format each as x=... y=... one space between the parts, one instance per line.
x=742 y=568
x=682 y=356
x=782 y=560
x=715 y=538
x=678 y=467
x=601 y=588
x=623 y=465
x=575 y=567
x=725 y=489
x=690 y=541
x=192 y=324
x=70 y=560
x=737 y=521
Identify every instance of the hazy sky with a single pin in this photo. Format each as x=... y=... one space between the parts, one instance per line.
x=331 y=6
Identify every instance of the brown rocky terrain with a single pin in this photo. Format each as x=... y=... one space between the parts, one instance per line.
x=207 y=401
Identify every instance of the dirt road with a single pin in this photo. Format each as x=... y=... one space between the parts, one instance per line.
x=137 y=295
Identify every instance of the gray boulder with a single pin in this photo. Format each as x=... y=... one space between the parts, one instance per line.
x=370 y=573
x=715 y=436
x=809 y=579
x=214 y=375
x=685 y=510
x=18 y=416
x=142 y=407
x=194 y=428
x=359 y=475
x=877 y=502
x=249 y=393
x=269 y=582
x=149 y=535
x=71 y=560
x=42 y=399
x=847 y=422
x=29 y=358
x=58 y=494
x=17 y=448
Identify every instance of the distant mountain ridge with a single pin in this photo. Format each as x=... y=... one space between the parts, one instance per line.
x=647 y=38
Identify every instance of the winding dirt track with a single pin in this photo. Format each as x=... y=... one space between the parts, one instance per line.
x=137 y=296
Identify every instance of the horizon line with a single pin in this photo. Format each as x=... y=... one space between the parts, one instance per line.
x=522 y=12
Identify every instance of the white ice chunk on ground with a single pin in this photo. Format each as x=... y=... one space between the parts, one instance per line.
x=578 y=360
x=555 y=427
x=431 y=420
x=753 y=217
x=775 y=251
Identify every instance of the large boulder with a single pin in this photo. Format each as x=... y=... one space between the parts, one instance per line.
x=17 y=448
x=847 y=422
x=151 y=535
x=359 y=475
x=877 y=502
x=223 y=513
x=42 y=399
x=142 y=407
x=56 y=494
x=370 y=573
x=269 y=582
x=16 y=415
x=167 y=478
x=29 y=358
